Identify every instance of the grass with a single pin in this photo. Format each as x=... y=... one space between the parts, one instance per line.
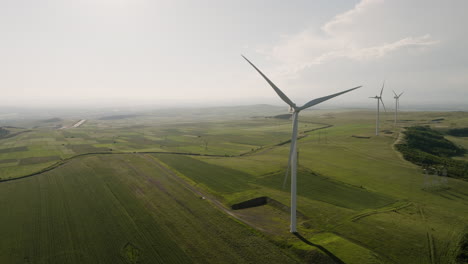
x=15 y=149
x=324 y=189
x=120 y=209
x=362 y=200
x=86 y=148
x=217 y=178
x=7 y=161
x=38 y=160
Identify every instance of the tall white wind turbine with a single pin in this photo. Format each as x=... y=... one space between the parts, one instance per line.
x=292 y=162
x=397 y=105
x=379 y=99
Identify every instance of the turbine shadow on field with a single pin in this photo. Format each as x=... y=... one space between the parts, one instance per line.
x=324 y=250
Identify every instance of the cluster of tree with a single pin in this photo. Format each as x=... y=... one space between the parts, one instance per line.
x=3 y=132
x=426 y=147
x=458 y=132
x=431 y=141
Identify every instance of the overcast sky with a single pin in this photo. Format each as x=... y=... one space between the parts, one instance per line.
x=69 y=52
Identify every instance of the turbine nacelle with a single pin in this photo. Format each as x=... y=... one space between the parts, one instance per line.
x=397 y=96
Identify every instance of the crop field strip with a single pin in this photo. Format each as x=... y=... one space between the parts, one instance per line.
x=15 y=149
x=323 y=189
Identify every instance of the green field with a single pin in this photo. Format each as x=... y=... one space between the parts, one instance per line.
x=120 y=209
x=138 y=198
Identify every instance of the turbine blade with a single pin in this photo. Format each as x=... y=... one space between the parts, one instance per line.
x=277 y=90
x=383 y=104
x=400 y=94
x=394 y=93
x=325 y=98
x=381 y=91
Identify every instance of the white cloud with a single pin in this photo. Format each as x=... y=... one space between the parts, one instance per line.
x=348 y=17
x=347 y=36
x=376 y=52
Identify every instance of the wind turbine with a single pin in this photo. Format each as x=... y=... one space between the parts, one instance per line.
x=379 y=99
x=397 y=105
x=292 y=162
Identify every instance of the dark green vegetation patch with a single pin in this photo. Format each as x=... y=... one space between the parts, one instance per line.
x=7 y=161
x=106 y=141
x=68 y=134
x=458 y=132
x=37 y=160
x=3 y=132
x=432 y=142
x=426 y=147
x=327 y=190
x=15 y=149
x=284 y=116
x=51 y=120
x=217 y=178
x=86 y=148
x=140 y=140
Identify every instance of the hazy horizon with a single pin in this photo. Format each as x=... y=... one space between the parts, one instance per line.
x=64 y=54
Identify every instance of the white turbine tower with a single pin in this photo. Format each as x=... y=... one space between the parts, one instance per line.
x=379 y=99
x=292 y=162
x=397 y=105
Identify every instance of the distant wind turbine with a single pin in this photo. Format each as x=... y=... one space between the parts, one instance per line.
x=292 y=162
x=379 y=99
x=397 y=105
